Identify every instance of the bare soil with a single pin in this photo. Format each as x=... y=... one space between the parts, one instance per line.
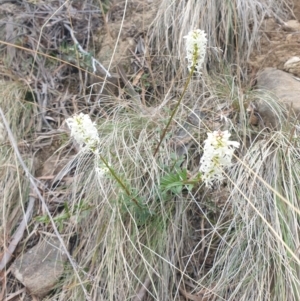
x=280 y=40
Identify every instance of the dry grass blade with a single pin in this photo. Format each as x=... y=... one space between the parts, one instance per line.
x=17 y=236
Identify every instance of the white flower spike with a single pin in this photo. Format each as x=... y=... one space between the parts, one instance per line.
x=217 y=155
x=196 y=43
x=84 y=131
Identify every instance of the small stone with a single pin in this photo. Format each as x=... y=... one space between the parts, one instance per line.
x=292 y=65
x=291 y=26
x=40 y=268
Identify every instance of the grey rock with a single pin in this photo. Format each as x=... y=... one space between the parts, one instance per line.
x=291 y=26
x=280 y=92
x=292 y=65
x=282 y=84
x=40 y=268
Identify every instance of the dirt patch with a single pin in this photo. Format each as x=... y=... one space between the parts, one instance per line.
x=296 y=9
x=138 y=17
x=280 y=41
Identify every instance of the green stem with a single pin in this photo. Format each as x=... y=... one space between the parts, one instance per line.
x=123 y=186
x=194 y=180
x=175 y=110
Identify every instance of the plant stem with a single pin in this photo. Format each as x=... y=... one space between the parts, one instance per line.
x=175 y=110
x=123 y=186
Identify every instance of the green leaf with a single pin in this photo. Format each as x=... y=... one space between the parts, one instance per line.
x=174 y=182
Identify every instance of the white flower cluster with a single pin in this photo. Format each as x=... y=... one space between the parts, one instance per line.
x=217 y=155
x=196 y=43
x=84 y=131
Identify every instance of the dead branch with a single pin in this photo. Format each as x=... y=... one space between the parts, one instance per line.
x=143 y=290
x=17 y=235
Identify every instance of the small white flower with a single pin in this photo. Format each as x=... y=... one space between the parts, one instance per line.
x=196 y=43
x=84 y=131
x=101 y=171
x=217 y=155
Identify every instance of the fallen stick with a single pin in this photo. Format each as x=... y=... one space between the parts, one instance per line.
x=143 y=290
x=12 y=296
x=8 y=252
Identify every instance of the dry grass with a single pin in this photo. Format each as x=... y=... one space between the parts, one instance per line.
x=127 y=244
x=14 y=185
x=233 y=27
x=258 y=258
x=129 y=236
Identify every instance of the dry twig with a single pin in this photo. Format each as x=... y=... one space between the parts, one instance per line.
x=17 y=235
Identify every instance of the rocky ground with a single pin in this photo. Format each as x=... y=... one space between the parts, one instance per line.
x=276 y=65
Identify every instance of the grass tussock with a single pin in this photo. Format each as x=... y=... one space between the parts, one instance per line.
x=258 y=256
x=232 y=27
x=17 y=103
x=141 y=234
x=132 y=225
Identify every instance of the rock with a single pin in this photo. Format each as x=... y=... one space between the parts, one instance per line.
x=261 y=113
x=111 y=86
x=291 y=26
x=293 y=65
x=40 y=268
x=285 y=87
x=269 y=25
